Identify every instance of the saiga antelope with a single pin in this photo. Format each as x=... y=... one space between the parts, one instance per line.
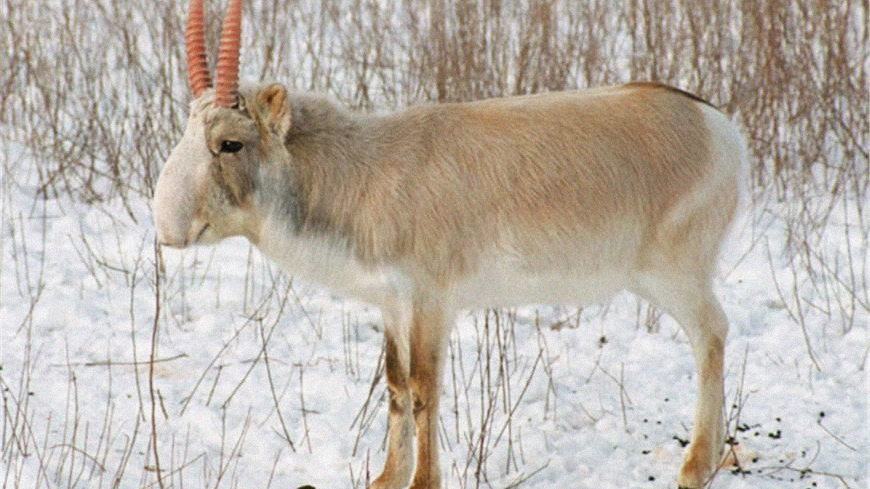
x=554 y=198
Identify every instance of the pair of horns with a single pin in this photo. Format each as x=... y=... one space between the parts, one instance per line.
x=227 y=85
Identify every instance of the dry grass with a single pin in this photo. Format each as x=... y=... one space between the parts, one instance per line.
x=97 y=87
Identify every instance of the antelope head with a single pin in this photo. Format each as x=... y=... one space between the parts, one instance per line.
x=208 y=187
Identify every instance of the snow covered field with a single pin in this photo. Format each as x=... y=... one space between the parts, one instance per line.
x=211 y=368
x=262 y=381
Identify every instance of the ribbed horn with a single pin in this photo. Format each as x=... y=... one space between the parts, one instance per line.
x=194 y=37
x=228 y=56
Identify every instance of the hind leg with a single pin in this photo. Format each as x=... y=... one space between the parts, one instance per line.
x=708 y=344
x=699 y=314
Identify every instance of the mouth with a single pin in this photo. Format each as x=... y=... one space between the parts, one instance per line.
x=201 y=233
x=180 y=244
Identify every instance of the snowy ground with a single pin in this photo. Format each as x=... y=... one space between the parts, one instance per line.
x=259 y=380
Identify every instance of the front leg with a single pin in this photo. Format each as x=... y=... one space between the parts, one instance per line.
x=397 y=468
x=428 y=333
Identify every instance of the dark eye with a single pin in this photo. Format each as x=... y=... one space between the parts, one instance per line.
x=231 y=146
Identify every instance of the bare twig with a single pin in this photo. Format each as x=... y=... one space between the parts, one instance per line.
x=158 y=267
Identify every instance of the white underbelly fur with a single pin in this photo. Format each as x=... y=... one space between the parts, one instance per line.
x=515 y=288
x=500 y=279
x=505 y=281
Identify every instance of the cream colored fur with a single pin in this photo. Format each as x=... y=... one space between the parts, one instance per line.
x=561 y=198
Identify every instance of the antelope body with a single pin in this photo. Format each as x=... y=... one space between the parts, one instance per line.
x=554 y=198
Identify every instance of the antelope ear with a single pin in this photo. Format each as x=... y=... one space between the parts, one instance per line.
x=272 y=101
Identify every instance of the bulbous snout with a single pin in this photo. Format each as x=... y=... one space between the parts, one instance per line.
x=172 y=210
x=175 y=201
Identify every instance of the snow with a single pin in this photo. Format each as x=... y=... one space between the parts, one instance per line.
x=261 y=380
